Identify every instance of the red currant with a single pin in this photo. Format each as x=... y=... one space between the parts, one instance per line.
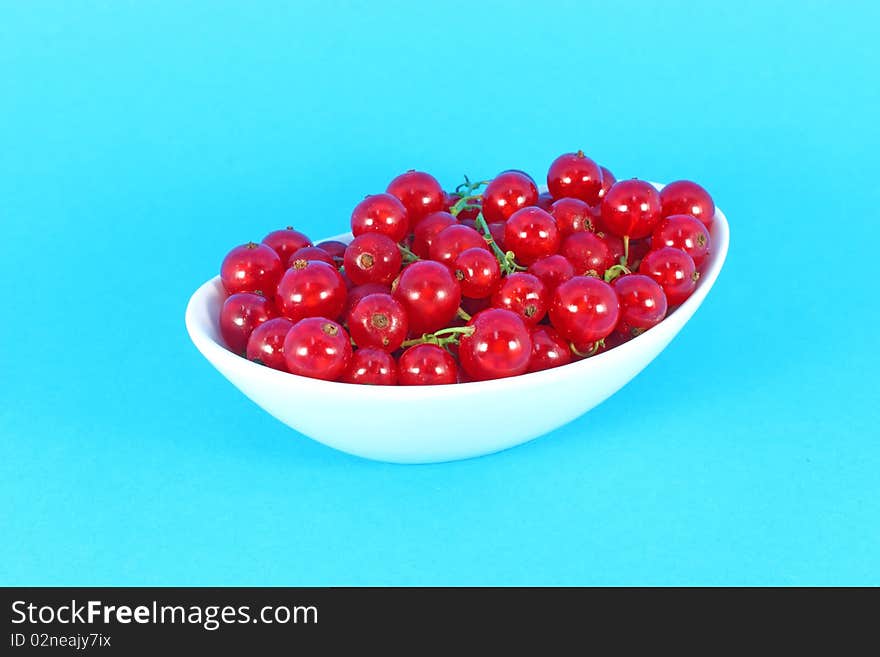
x=420 y=194
x=251 y=268
x=631 y=209
x=523 y=294
x=318 y=348
x=429 y=294
x=572 y=216
x=552 y=270
x=311 y=253
x=584 y=309
x=477 y=271
x=335 y=249
x=686 y=197
x=266 y=344
x=372 y=258
x=311 y=289
x=673 y=270
x=588 y=253
x=241 y=313
x=358 y=292
x=548 y=349
x=428 y=229
x=451 y=241
x=684 y=232
x=531 y=233
x=642 y=303
x=500 y=346
x=426 y=365
x=286 y=241
x=380 y=213
x=574 y=175
x=608 y=181
x=371 y=367
x=506 y=194
x=378 y=321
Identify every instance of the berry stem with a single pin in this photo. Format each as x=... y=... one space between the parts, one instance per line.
x=461 y=203
x=408 y=256
x=506 y=260
x=625 y=249
x=463 y=314
x=594 y=348
x=442 y=337
x=615 y=271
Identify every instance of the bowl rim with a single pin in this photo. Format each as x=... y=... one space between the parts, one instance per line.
x=720 y=231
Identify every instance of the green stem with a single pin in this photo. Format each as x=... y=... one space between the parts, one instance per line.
x=616 y=270
x=442 y=337
x=462 y=202
x=594 y=348
x=463 y=314
x=408 y=256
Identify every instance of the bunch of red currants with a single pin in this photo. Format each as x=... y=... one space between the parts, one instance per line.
x=492 y=280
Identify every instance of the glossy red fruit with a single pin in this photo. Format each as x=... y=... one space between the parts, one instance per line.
x=574 y=175
x=420 y=194
x=426 y=365
x=429 y=294
x=685 y=232
x=266 y=344
x=686 y=197
x=531 y=233
x=380 y=213
x=285 y=242
x=358 y=292
x=572 y=216
x=251 y=268
x=318 y=348
x=452 y=240
x=545 y=201
x=631 y=208
x=523 y=294
x=428 y=229
x=507 y=193
x=241 y=313
x=500 y=346
x=608 y=181
x=372 y=258
x=548 y=349
x=335 y=249
x=311 y=253
x=371 y=367
x=588 y=253
x=673 y=270
x=477 y=272
x=584 y=309
x=552 y=270
x=378 y=321
x=642 y=303
x=311 y=288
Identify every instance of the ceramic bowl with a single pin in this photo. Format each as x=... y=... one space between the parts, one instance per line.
x=427 y=424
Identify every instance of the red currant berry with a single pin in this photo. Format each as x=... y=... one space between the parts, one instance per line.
x=358 y=292
x=552 y=270
x=251 y=268
x=686 y=197
x=572 y=216
x=523 y=294
x=311 y=253
x=429 y=294
x=531 y=233
x=428 y=229
x=240 y=315
x=545 y=201
x=451 y=241
x=335 y=249
x=588 y=253
x=286 y=241
x=574 y=175
x=608 y=181
x=426 y=365
x=548 y=349
x=380 y=213
x=673 y=270
x=642 y=303
x=584 y=309
x=378 y=321
x=631 y=208
x=420 y=194
x=477 y=271
x=500 y=346
x=371 y=367
x=372 y=258
x=506 y=194
x=685 y=232
x=266 y=344
x=318 y=348
x=311 y=288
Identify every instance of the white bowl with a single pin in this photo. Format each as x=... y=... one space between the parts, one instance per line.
x=449 y=422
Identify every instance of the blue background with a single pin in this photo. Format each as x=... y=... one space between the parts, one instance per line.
x=139 y=141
